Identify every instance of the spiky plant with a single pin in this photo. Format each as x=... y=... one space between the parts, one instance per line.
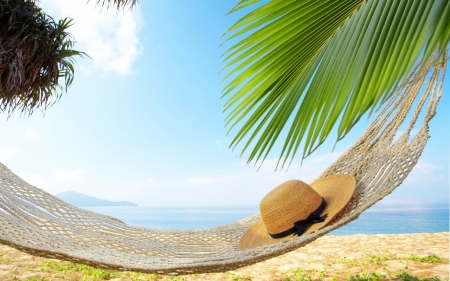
x=36 y=55
x=36 y=52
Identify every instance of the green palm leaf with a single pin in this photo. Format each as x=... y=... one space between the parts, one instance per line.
x=309 y=66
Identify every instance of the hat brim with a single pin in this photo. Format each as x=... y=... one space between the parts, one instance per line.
x=337 y=190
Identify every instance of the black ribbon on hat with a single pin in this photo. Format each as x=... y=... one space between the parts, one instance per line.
x=300 y=226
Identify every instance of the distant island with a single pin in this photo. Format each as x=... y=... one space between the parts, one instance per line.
x=83 y=200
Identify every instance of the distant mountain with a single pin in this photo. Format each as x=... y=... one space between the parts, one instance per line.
x=83 y=200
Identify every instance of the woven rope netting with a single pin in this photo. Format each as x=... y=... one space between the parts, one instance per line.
x=35 y=222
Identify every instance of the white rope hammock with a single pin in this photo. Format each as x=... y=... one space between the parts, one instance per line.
x=35 y=222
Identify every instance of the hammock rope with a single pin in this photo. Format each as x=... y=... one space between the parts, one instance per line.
x=33 y=221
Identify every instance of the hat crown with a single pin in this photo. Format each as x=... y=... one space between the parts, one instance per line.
x=289 y=202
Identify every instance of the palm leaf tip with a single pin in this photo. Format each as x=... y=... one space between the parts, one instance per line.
x=118 y=4
x=242 y=4
x=315 y=67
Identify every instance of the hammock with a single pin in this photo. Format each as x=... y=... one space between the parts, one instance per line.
x=35 y=222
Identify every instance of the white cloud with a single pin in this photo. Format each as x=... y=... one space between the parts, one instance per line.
x=74 y=176
x=325 y=158
x=34 y=179
x=61 y=180
x=110 y=38
x=205 y=180
x=424 y=172
x=240 y=186
x=7 y=152
x=30 y=134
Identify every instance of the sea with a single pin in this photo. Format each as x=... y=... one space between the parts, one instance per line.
x=372 y=221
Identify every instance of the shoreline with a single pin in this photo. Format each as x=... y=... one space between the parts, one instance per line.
x=420 y=255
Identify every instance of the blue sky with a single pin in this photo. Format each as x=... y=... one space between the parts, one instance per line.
x=143 y=119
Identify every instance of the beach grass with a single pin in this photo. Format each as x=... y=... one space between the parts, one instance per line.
x=309 y=263
x=62 y=270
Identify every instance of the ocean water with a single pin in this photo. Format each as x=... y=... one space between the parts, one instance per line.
x=372 y=221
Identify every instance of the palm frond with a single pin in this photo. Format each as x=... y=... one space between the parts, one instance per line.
x=35 y=51
x=306 y=67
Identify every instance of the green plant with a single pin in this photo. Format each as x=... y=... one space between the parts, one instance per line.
x=348 y=262
x=35 y=53
x=5 y=259
x=371 y=259
x=296 y=70
x=90 y=272
x=176 y=278
x=237 y=277
x=406 y=277
x=372 y=276
x=428 y=259
x=299 y=275
x=153 y=276
x=44 y=269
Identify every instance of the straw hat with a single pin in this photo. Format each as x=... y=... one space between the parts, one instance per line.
x=295 y=208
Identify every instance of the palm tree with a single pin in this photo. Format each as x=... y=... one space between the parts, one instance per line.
x=35 y=52
x=305 y=67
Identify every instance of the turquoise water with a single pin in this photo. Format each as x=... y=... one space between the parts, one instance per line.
x=396 y=221
x=373 y=221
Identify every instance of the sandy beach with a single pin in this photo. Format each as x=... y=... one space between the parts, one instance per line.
x=356 y=257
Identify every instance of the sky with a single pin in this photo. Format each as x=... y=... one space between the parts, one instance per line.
x=143 y=120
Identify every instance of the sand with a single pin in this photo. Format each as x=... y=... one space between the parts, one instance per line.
x=380 y=257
